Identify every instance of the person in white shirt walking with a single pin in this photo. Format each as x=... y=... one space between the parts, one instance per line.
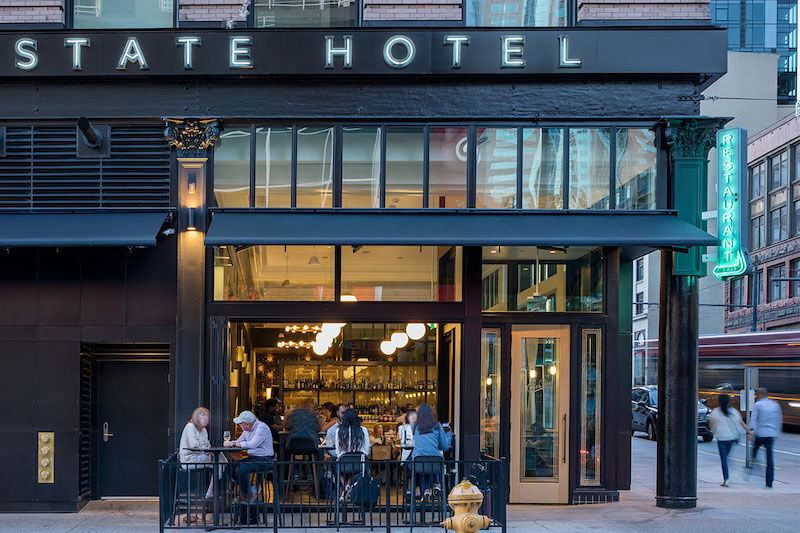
x=765 y=423
x=727 y=425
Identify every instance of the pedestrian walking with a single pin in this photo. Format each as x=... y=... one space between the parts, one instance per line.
x=765 y=423
x=727 y=426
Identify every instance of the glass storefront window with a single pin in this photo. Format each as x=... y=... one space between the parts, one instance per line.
x=496 y=180
x=123 y=14
x=543 y=279
x=447 y=168
x=516 y=13
x=636 y=168
x=361 y=167
x=590 y=407
x=320 y=14
x=274 y=273
x=589 y=168
x=405 y=162
x=542 y=168
x=315 y=167
x=232 y=168
x=490 y=391
x=274 y=166
x=402 y=273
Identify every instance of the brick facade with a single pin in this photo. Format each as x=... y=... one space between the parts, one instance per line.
x=210 y=10
x=412 y=10
x=31 y=12
x=590 y=10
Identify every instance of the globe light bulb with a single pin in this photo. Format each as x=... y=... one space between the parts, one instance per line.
x=532 y=373
x=387 y=347
x=553 y=370
x=415 y=331
x=399 y=339
x=489 y=382
x=319 y=348
x=331 y=330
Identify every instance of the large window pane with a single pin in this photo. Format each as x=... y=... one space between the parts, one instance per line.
x=516 y=13
x=232 y=169
x=590 y=407
x=636 y=168
x=315 y=167
x=544 y=279
x=447 y=171
x=123 y=14
x=361 y=167
x=542 y=168
x=779 y=224
x=589 y=170
x=405 y=150
x=402 y=273
x=490 y=391
x=316 y=14
x=496 y=168
x=274 y=167
x=274 y=273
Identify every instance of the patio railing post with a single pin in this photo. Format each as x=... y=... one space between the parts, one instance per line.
x=387 y=481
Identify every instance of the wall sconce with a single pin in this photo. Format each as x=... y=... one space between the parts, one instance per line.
x=192 y=183
x=191 y=223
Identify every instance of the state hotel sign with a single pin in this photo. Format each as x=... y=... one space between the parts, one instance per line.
x=363 y=52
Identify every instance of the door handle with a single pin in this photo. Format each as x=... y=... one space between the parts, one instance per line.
x=106 y=434
x=564 y=438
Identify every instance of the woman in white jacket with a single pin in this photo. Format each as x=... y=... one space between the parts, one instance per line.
x=195 y=435
x=727 y=425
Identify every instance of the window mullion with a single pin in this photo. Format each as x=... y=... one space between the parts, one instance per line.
x=426 y=153
x=519 y=167
x=565 y=171
x=294 y=166
x=252 y=165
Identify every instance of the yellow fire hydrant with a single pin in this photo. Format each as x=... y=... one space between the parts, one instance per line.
x=465 y=499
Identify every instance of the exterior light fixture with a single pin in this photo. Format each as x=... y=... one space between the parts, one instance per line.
x=415 y=331
x=399 y=339
x=191 y=221
x=553 y=370
x=387 y=347
x=192 y=183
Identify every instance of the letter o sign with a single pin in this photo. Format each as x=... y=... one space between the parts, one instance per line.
x=399 y=62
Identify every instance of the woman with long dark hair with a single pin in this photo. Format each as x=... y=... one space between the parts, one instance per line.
x=430 y=440
x=726 y=424
x=351 y=438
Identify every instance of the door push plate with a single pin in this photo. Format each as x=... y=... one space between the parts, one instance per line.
x=46 y=451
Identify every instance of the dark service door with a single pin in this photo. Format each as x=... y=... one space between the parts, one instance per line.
x=132 y=423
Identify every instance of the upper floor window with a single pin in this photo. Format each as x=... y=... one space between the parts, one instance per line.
x=639 y=303
x=640 y=269
x=737 y=297
x=794 y=272
x=314 y=14
x=123 y=14
x=777 y=288
x=757 y=180
x=779 y=170
x=517 y=12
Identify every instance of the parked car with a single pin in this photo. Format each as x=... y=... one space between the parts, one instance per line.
x=644 y=413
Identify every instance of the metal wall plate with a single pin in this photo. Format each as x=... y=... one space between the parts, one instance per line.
x=45 y=443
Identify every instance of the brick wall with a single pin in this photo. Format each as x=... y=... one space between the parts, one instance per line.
x=643 y=10
x=210 y=10
x=31 y=11
x=412 y=9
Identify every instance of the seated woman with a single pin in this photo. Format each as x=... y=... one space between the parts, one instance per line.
x=195 y=435
x=406 y=434
x=351 y=438
x=430 y=440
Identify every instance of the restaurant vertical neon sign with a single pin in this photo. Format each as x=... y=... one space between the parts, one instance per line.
x=732 y=254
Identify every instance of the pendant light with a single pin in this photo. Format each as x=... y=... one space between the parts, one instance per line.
x=387 y=347
x=415 y=331
x=399 y=339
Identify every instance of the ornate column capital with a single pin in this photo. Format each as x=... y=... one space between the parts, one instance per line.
x=690 y=138
x=192 y=137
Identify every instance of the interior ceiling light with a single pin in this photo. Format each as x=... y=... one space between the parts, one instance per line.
x=319 y=348
x=331 y=330
x=387 y=347
x=399 y=339
x=313 y=260
x=415 y=331
x=348 y=298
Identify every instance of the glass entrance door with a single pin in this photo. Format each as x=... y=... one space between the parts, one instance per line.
x=539 y=414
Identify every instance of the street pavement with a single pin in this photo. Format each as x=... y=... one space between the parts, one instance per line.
x=746 y=506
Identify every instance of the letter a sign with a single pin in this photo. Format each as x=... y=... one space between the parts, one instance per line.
x=732 y=203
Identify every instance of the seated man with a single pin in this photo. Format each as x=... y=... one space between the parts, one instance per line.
x=256 y=438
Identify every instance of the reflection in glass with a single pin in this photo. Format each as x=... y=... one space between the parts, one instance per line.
x=447 y=171
x=636 y=168
x=589 y=168
x=542 y=168
x=274 y=166
x=496 y=180
x=543 y=279
x=490 y=391
x=405 y=149
x=539 y=422
x=232 y=169
x=274 y=273
x=123 y=14
x=319 y=14
x=402 y=273
x=516 y=13
x=590 y=407
x=315 y=167
x=361 y=167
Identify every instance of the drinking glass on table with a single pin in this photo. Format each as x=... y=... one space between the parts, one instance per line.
x=226 y=435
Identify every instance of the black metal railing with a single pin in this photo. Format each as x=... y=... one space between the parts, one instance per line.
x=350 y=493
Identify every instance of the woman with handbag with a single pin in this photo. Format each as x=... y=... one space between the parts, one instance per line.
x=726 y=424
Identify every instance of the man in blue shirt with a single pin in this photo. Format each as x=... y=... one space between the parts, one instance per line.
x=766 y=423
x=256 y=438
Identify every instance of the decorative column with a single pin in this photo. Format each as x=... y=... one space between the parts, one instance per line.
x=676 y=487
x=192 y=139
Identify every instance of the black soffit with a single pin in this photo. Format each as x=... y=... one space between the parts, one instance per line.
x=80 y=229
x=464 y=229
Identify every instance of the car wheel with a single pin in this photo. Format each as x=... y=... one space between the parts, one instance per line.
x=651 y=431
x=708 y=437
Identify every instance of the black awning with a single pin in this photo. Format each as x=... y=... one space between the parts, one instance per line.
x=80 y=229
x=454 y=228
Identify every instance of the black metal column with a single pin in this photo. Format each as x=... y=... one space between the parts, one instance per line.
x=676 y=485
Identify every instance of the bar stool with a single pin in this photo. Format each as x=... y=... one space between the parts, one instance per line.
x=307 y=451
x=190 y=487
